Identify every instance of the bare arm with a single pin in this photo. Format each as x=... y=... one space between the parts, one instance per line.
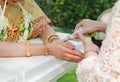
x=9 y=49
x=63 y=50
x=47 y=31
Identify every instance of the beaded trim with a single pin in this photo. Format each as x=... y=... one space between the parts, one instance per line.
x=39 y=24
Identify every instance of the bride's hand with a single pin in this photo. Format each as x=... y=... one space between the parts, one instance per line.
x=91 y=26
x=88 y=45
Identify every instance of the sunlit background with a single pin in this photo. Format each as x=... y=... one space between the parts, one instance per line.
x=65 y=14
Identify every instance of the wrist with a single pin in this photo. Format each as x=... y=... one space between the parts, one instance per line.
x=101 y=27
x=52 y=37
x=55 y=39
x=37 y=49
x=49 y=48
x=90 y=52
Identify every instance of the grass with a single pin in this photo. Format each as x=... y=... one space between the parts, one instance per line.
x=69 y=77
x=63 y=30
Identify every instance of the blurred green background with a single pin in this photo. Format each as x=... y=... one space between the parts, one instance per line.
x=65 y=14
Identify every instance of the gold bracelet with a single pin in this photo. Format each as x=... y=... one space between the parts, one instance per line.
x=45 y=49
x=52 y=38
x=49 y=36
x=48 y=40
x=28 y=49
x=91 y=50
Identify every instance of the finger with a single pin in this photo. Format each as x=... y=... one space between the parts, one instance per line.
x=78 y=53
x=76 y=36
x=77 y=61
x=78 y=25
x=83 y=31
x=81 y=36
x=75 y=52
x=67 y=59
x=69 y=45
x=73 y=58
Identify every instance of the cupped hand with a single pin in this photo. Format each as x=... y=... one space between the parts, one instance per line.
x=87 y=43
x=89 y=26
x=65 y=51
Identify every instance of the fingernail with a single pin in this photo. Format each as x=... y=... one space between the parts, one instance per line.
x=73 y=48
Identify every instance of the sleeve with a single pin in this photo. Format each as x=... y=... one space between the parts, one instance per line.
x=106 y=66
x=40 y=21
x=38 y=15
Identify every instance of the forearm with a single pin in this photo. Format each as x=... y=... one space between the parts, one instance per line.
x=47 y=31
x=90 y=49
x=8 y=49
x=101 y=27
x=90 y=53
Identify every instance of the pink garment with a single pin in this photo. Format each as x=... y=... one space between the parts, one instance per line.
x=106 y=66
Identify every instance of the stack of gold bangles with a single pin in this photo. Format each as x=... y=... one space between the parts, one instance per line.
x=49 y=39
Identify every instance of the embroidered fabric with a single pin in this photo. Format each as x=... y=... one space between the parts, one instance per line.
x=24 y=21
x=27 y=24
x=3 y=22
x=106 y=66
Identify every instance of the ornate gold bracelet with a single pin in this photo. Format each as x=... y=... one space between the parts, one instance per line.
x=28 y=49
x=45 y=49
x=51 y=37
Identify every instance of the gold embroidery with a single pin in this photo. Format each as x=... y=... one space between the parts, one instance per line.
x=2 y=3
x=37 y=31
x=39 y=25
x=41 y=20
x=16 y=18
x=13 y=35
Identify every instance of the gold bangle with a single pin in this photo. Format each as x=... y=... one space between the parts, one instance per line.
x=45 y=49
x=52 y=38
x=28 y=49
x=91 y=50
x=49 y=36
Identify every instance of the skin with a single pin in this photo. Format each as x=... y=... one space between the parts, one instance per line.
x=63 y=50
x=90 y=26
x=88 y=45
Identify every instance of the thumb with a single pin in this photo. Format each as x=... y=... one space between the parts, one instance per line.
x=80 y=36
x=79 y=25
